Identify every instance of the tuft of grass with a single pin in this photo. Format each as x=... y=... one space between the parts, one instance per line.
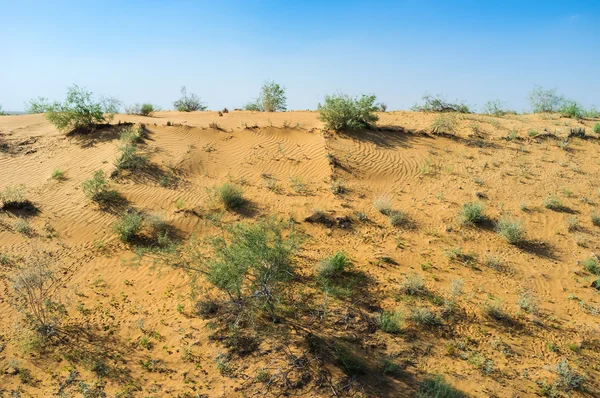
x=595 y=219
x=572 y=224
x=12 y=197
x=398 y=218
x=591 y=265
x=596 y=128
x=552 y=202
x=22 y=226
x=129 y=226
x=130 y=159
x=445 y=123
x=568 y=378
x=471 y=213
x=334 y=265
x=58 y=175
x=98 y=190
x=511 y=230
x=493 y=309
x=132 y=135
x=437 y=387
x=231 y=196
x=383 y=205
x=413 y=285
x=389 y=322
x=424 y=317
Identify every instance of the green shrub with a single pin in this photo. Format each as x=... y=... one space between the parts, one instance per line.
x=591 y=265
x=592 y=113
x=188 y=103
x=398 y=218
x=58 y=175
x=79 y=112
x=341 y=112
x=97 y=189
x=251 y=262
x=436 y=103
x=130 y=159
x=436 y=387
x=568 y=379
x=271 y=99
x=553 y=203
x=496 y=108
x=424 y=317
x=510 y=230
x=145 y=109
x=132 y=135
x=595 y=219
x=471 y=213
x=129 y=226
x=571 y=109
x=444 y=124
x=389 y=322
x=2 y=113
x=334 y=265
x=230 y=195
x=413 y=285
x=596 y=128
x=542 y=100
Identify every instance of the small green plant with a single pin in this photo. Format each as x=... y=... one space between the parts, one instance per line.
x=188 y=102
x=552 y=202
x=389 y=322
x=413 y=285
x=145 y=109
x=22 y=226
x=444 y=124
x=58 y=175
x=532 y=133
x=298 y=185
x=493 y=309
x=571 y=109
x=79 y=112
x=510 y=230
x=398 y=218
x=334 y=266
x=98 y=190
x=337 y=188
x=271 y=99
x=341 y=112
x=568 y=378
x=129 y=226
x=591 y=265
x=130 y=159
x=424 y=317
x=130 y=135
x=437 y=387
x=231 y=196
x=471 y=213
x=13 y=197
x=596 y=128
x=572 y=224
x=595 y=219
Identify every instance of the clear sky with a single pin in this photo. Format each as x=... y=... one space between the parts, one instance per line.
x=143 y=51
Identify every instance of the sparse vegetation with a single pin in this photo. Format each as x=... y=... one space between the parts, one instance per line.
x=383 y=205
x=13 y=197
x=389 y=322
x=596 y=128
x=444 y=124
x=58 y=175
x=129 y=225
x=334 y=266
x=188 y=102
x=591 y=265
x=79 y=112
x=436 y=387
x=496 y=108
x=341 y=112
x=542 y=100
x=130 y=159
x=413 y=285
x=145 y=109
x=552 y=202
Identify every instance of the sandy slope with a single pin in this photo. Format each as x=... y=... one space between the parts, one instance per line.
x=110 y=289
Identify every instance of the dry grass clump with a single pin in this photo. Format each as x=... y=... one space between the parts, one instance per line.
x=511 y=230
x=471 y=213
x=231 y=196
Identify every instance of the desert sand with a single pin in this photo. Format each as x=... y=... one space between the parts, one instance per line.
x=117 y=295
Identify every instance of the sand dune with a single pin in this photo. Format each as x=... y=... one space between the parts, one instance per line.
x=108 y=287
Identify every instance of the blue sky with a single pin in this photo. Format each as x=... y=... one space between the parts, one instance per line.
x=144 y=51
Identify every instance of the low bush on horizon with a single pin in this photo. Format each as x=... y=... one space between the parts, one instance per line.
x=2 y=113
x=544 y=100
x=188 y=102
x=445 y=124
x=495 y=108
x=271 y=99
x=145 y=109
x=79 y=112
x=341 y=112
x=436 y=103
